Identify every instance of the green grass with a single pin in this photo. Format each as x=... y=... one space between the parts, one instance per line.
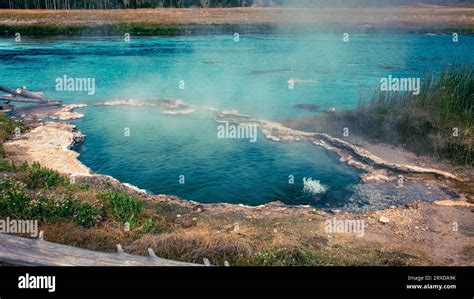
x=49 y=30
x=7 y=165
x=28 y=199
x=7 y=129
x=85 y=215
x=89 y=216
x=17 y=201
x=42 y=177
x=14 y=198
x=123 y=207
x=48 y=196
x=44 y=194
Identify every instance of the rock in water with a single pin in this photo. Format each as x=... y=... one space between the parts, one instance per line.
x=309 y=107
x=78 y=137
x=330 y=110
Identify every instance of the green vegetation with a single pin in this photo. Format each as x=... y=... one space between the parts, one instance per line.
x=96 y=218
x=120 y=4
x=16 y=200
x=27 y=199
x=41 y=177
x=97 y=215
x=123 y=207
x=198 y=21
x=438 y=122
x=6 y=165
x=87 y=215
x=49 y=208
x=7 y=129
x=137 y=29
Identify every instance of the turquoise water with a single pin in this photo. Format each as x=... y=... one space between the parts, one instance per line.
x=250 y=76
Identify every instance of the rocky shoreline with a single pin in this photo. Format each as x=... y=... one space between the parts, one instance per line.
x=51 y=143
x=376 y=168
x=415 y=225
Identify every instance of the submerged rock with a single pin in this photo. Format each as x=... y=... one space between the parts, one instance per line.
x=67 y=113
x=309 y=107
x=330 y=110
x=164 y=102
x=172 y=106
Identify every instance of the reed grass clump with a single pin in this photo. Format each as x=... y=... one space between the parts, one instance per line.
x=438 y=122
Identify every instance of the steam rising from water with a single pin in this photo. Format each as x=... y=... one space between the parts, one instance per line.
x=250 y=76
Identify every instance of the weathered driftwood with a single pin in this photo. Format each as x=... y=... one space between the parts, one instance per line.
x=37 y=252
x=26 y=108
x=20 y=99
x=23 y=93
x=23 y=96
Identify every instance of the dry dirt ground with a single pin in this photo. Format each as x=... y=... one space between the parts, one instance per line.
x=419 y=233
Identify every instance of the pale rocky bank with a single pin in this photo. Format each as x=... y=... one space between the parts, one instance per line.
x=423 y=229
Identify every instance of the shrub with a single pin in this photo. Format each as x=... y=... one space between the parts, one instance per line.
x=63 y=208
x=6 y=165
x=24 y=166
x=7 y=128
x=87 y=215
x=38 y=209
x=46 y=208
x=123 y=207
x=41 y=177
x=150 y=226
x=14 y=198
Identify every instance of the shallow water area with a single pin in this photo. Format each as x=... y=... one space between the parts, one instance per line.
x=180 y=154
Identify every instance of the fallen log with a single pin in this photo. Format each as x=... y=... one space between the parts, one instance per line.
x=20 y=99
x=26 y=108
x=23 y=93
x=37 y=252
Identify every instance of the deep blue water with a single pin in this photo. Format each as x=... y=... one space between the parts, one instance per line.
x=251 y=76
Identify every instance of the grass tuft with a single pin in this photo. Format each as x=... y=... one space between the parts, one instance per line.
x=7 y=129
x=42 y=177
x=438 y=122
x=124 y=208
